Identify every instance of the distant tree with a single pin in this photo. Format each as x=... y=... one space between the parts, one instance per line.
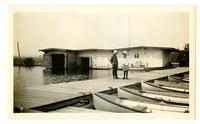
x=29 y=62
x=174 y=57
x=186 y=47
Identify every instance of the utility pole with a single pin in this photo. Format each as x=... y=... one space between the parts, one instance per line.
x=129 y=44
x=18 y=50
x=19 y=55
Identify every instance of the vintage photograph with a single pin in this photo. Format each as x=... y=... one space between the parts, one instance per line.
x=103 y=59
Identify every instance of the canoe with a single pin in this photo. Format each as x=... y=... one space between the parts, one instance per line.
x=117 y=102
x=144 y=96
x=111 y=103
x=157 y=108
x=172 y=94
x=156 y=87
x=172 y=84
x=175 y=89
x=177 y=79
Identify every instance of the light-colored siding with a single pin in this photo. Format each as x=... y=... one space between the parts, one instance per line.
x=147 y=57
x=98 y=58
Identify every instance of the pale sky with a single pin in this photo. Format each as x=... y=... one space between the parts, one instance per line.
x=81 y=30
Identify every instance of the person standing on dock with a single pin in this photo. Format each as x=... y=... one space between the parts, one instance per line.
x=114 y=62
x=125 y=64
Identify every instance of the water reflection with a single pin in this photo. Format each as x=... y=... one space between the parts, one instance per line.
x=54 y=76
x=34 y=76
x=25 y=76
x=93 y=74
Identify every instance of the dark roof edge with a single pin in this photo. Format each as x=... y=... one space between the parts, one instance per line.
x=125 y=48
x=54 y=49
x=165 y=48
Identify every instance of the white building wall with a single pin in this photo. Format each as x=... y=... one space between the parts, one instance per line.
x=98 y=58
x=147 y=57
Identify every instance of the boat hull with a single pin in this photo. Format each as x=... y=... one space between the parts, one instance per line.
x=172 y=84
x=151 y=98
x=157 y=108
x=105 y=104
x=135 y=96
x=154 y=87
x=147 y=87
x=177 y=79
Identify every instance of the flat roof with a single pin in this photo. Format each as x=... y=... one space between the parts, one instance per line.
x=125 y=48
x=56 y=49
x=164 y=48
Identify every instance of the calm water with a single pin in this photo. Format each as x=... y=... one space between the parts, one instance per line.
x=25 y=77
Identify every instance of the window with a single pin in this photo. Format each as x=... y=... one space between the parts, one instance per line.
x=137 y=55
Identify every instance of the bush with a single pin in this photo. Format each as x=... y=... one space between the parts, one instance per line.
x=29 y=62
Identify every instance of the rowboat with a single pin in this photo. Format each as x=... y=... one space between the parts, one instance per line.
x=177 y=79
x=116 y=104
x=151 y=97
x=111 y=103
x=156 y=87
x=158 y=108
x=172 y=94
x=172 y=84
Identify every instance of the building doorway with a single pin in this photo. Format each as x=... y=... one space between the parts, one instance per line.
x=58 y=61
x=84 y=62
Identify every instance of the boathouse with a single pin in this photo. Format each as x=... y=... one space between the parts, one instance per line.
x=142 y=56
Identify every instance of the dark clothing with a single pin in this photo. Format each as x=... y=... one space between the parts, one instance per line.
x=114 y=71
x=125 y=75
x=114 y=62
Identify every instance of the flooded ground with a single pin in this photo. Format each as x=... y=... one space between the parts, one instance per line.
x=34 y=76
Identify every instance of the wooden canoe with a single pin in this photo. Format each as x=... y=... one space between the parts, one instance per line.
x=172 y=84
x=143 y=96
x=172 y=94
x=156 y=87
x=177 y=79
x=157 y=108
x=111 y=103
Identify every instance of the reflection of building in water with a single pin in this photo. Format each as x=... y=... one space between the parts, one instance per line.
x=54 y=76
x=143 y=56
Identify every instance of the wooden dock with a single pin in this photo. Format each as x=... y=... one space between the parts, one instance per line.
x=56 y=95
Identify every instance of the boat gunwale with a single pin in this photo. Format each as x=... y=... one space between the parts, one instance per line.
x=140 y=95
x=163 y=83
x=171 y=88
x=161 y=100
x=153 y=85
x=178 y=78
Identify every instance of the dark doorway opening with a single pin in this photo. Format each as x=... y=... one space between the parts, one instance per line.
x=85 y=61
x=58 y=61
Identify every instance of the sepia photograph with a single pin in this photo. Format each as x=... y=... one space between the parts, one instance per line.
x=103 y=60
